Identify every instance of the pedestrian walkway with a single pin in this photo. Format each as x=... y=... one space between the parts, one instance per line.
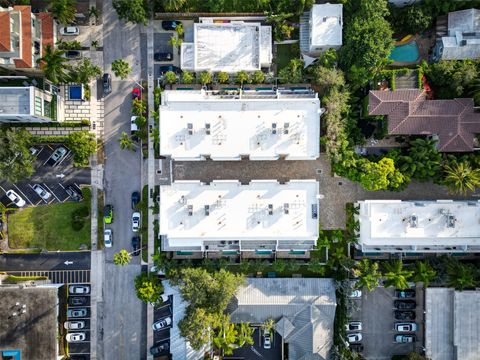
x=59 y=276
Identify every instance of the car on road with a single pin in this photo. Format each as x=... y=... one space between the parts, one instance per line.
x=163 y=56
x=70 y=30
x=108 y=214
x=405 y=294
x=135 y=221
x=107 y=83
x=76 y=313
x=406 y=327
x=405 y=304
x=136 y=93
x=135 y=245
x=15 y=198
x=162 y=323
x=79 y=289
x=77 y=300
x=159 y=349
x=404 y=338
x=404 y=315
x=57 y=155
x=73 y=193
x=74 y=325
x=267 y=341
x=135 y=199
x=354 y=326
x=356 y=347
x=355 y=294
x=354 y=338
x=133 y=124
x=76 y=337
x=73 y=54
x=44 y=194
x=170 y=25
x=108 y=238
x=166 y=68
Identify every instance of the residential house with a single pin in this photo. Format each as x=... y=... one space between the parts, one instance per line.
x=418 y=227
x=454 y=122
x=462 y=40
x=23 y=35
x=225 y=217
x=321 y=29
x=227 y=44
x=259 y=125
x=303 y=311
x=452 y=324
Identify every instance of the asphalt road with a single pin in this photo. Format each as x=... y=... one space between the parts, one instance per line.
x=124 y=315
x=48 y=261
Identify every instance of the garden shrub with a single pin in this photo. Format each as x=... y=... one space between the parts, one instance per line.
x=79 y=217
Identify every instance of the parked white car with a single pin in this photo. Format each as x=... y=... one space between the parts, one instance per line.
x=406 y=327
x=74 y=325
x=15 y=198
x=69 y=30
x=162 y=324
x=354 y=338
x=136 y=221
x=75 y=337
x=44 y=194
x=107 y=238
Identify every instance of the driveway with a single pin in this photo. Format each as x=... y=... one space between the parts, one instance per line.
x=256 y=351
x=124 y=316
x=47 y=262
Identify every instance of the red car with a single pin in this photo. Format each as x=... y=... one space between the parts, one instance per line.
x=136 y=93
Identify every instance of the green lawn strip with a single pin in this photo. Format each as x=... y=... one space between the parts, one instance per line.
x=12 y=279
x=144 y=230
x=49 y=226
x=100 y=225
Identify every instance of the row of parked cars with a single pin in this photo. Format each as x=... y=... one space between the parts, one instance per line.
x=405 y=310
x=77 y=297
x=163 y=347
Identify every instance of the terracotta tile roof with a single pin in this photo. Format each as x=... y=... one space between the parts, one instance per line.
x=5 y=31
x=410 y=113
x=26 y=60
x=47 y=29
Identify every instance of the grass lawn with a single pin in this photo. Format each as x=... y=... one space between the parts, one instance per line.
x=144 y=230
x=286 y=52
x=49 y=226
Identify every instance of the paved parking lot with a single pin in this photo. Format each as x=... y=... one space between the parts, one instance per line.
x=376 y=314
x=256 y=351
x=162 y=336
x=83 y=347
x=53 y=179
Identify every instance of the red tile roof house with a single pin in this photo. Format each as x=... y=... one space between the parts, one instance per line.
x=23 y=36
x=455 y=122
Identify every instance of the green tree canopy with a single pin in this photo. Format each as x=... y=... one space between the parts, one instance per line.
x=54 y=65
x=205 y=77
x=149 y=289
x=379 y=175
x=396 y=275
x=84 y=72
x=63 y=10
x=422 y=161
x=83 y=144
x=461 y=276
x=139 y=107
x=461 y=178
x=197 y=326
x=293 y=73
x=258 y=77
x=452 y=78
x=121 y=68
x=170 y=77
x=223 y=77
x=327 y=78
x=131 y=10
x=241 y=77
x=126 y=142
x=424 y=273
x=187 y=77
x=16 y=162
x=173 y=5
x=367 y=272
x=122 y=257
x=226 y=335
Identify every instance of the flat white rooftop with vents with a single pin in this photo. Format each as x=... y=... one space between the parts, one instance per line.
x=326 y=23
x=196 y=124
x=229 y=47
x=16 y=100
x=192 y=212
x=424 y=226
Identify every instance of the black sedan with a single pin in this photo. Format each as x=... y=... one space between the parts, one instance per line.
x=135 y=245
x=405 y=294
x=163 y=56
x=170 y=25
x=405 y=304
x=404 y=315
x=135 y=199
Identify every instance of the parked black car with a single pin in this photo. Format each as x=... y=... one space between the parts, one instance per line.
x=159 y=349
x=73 y=193
x=135 y=199
x=166 y=68
x=107 y=84
x=136 y=246
x=77 y=300
x=404 y=315
x=163 y=56
x=405 y=294
x=405 y=304
x=170 y=25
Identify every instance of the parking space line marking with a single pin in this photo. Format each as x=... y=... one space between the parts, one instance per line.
x=51 y=192
x=51 y=148
x=41 y=199
x=61 y=160
x=77 y=186
x=63 y=187
x=41 y=149
x=16 y=187
x=3 y=189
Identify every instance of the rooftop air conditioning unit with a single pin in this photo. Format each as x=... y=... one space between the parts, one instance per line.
x=274 y=128
x=413 y=221
x=190 y=128
x=286 y=208
x=207 y=128
x=286 y=126
x=190 y=210
x=207 y=210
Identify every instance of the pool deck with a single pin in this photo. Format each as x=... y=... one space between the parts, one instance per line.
x=424 y=44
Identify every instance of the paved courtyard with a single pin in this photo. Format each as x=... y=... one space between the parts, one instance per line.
x=335 y=192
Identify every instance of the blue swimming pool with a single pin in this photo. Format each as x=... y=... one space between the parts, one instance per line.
x=75 y=92
x=405 y=53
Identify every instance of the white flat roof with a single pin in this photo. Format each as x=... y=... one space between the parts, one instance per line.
x=396 y=222
x=326 y=24
x=228 y=47
x=15 y=100
x=263 y=128
x=261 y=210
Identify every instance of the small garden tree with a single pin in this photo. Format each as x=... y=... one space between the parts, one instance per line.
x=368 y=273
x=121 y=68
x=139 y=107
x=170 y=77
x=461 y=178
x=84 y=72
x=205 y=77
x=83 y=145
x=396 y=275
x=223 y=77
x=149 y=288
x=461 y=276
x=173 y=5
x=424 y=273
x=131 y=10
x=258 y=77
x=126 y=142
x=63 y=10
x=293 y=73
x=241 y=77
x=122 y=258
x=187 y=77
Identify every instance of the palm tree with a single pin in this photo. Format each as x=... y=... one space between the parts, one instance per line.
x=173 y=5
x=126 y=142
x=122 y=258
x=424 y=273
x=460 y=276
x=63 y=10
x=54 y=64
x=368 y=274
x=225 y=335
x=268 y=326
x=245 y=334
x=396 y=275
x=461 y=178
